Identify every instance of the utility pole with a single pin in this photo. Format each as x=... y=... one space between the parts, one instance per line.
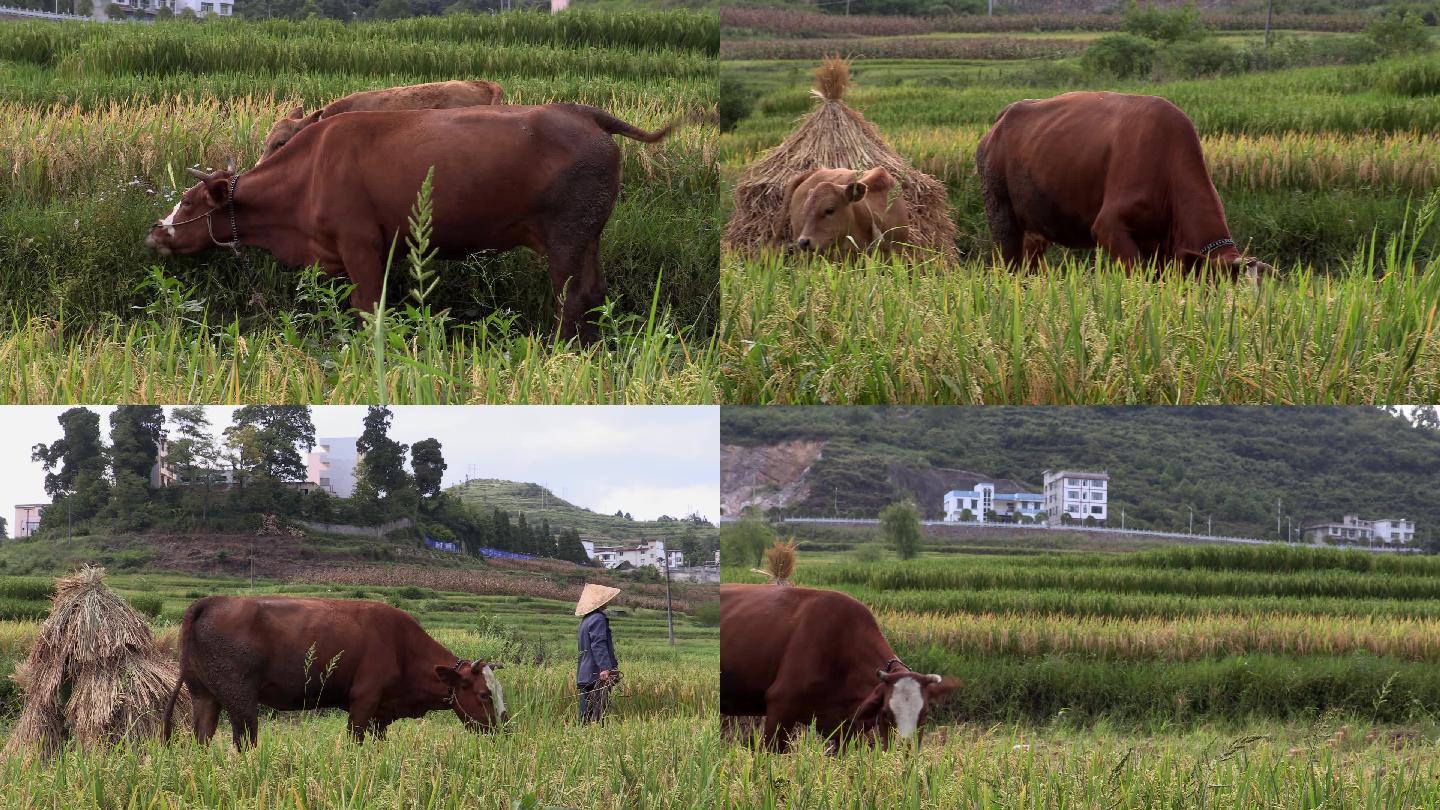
x=669 y=615
x=1192 y=520
x=1208 y=531
x=1277 y=515
x=1269 y=9
x=1122 y=518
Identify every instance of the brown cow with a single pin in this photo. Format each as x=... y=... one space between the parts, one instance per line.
x=238 y=653
x=542 y=177
x=801 y=655
x=1117 y=171
x=840 y=209
x=431 y=96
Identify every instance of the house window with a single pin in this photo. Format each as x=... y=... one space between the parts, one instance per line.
x=1095 y=510
x=224 y=9
x=207 y=8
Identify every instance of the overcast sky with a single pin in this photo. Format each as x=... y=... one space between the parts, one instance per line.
x=646 y=460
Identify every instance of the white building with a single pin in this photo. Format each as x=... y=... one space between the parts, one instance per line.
x=27 y=519
x=151 y=8
x=1008 y=500
x=331 y=465
x=1351 y=529
x=648 y=552
x=162 y=474
x=1080 y=495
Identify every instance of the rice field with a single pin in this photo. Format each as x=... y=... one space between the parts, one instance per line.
x=1332 y=179
x=99 y=123
x=1240 y=701
x=660 y=747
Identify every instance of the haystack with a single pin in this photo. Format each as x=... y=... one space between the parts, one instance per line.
x=779 y=562
x=838 y=137
x=94 y=675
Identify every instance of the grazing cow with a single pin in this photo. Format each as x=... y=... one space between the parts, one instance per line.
x=836 y=209
x=1117 y=171
x=800 y=655
x=431 y=96
x=239 y=653
x=542 y=177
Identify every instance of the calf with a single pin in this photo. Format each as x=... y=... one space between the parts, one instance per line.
x=839 y=210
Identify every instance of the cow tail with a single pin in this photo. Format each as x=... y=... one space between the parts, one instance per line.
x=615 y=126
x=187 y=627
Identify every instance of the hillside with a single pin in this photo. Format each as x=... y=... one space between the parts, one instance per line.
x=1231 y=464
x=538 y=503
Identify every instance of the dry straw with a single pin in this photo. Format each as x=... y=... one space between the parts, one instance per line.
x=834 y=136
x=779 y=562
x=94 y=675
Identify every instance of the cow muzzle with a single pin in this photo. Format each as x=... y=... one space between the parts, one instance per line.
x=803 y=243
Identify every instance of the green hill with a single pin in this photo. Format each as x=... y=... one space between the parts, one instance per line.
x=1229 y=463
x=537 y=502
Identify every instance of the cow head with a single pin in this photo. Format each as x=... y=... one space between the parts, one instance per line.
x=283 y=130
x=478 y=699
x=826 y=216
x=198 y=218
x=900 y=702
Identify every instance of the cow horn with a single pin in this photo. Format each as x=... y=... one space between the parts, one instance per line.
x=197 y=174
x=230 y=164
x=880 y=673
x=935 y=678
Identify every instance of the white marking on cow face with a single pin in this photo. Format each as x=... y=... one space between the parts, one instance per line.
x=168 y=223
x=906 y=702
x=496 y=693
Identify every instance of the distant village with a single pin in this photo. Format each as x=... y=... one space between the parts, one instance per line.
x=332 y=465
x=1081 y=498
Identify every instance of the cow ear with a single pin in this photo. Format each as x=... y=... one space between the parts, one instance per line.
x=448 y=675
x=297 y=113
x=877 y=179
x=869 y=711
x=855 y=192
x=217 y=191
x=941 y=687
x=495 y=665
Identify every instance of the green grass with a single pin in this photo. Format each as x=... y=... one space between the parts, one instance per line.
x=484 y=494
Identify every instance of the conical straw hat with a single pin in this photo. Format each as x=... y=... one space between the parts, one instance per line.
x=594 y=597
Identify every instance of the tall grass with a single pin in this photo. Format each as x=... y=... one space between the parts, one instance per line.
x=885 y=330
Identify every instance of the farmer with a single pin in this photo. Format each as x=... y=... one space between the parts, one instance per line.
x=597 y=671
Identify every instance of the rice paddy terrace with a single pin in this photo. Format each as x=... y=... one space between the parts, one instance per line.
x=1326 y=166
x=658 y=750
x=1183 y=676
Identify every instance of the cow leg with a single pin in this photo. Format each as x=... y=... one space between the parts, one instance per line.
x=579 y=287
x=362 y=715
x=244 y=712
x=1035 y=247
x=204 y=712
x=1005 y=227
x=364 y=267
x=1112 y=234
x=775 y=732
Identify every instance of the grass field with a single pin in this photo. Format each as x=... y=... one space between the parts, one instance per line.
x=659 y=750
x=99 y=123
x=1332 y=179
x=1190 y=676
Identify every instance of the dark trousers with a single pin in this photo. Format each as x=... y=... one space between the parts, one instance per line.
x=592 y=701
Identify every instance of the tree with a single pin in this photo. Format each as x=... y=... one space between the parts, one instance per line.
x=744 y=542
x=267 y=441
x=428 y=464
x=3 y=533
x=384 y=457
x=570 y=548
x=74 y=466
x=900 y=523
x=192 y=453
x=136 y=433
x=1426 y=417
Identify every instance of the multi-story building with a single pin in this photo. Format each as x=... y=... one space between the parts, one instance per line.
x=27 y=519
x=1080 y=495
x=1352 y=529
x=163 y=474
x=331 y=465
x=647 y=552
x=102 y=9
x=1007 y=500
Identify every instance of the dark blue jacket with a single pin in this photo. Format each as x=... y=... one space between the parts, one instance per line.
x=597 y=652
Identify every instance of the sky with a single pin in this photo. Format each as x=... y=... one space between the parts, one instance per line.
x=645 y=460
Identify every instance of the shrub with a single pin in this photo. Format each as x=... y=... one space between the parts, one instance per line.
x=1194 y=59
x=1165 y=25
x=415 y=592
x=147 y=603
x=1122 y=56
x=735 y=102
x=868 y=553
x=707 y=614
x=1400 y=31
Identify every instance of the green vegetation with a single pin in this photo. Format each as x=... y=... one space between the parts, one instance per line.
x=104 y=119
x=1230 y=464
x=657 y=749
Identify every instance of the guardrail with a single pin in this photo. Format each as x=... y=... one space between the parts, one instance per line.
x=1206 y=538
x=40 y=15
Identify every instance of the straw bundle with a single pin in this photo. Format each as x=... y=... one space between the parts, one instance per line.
x=94 y=675
x=837 y=137
x=779 y=562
